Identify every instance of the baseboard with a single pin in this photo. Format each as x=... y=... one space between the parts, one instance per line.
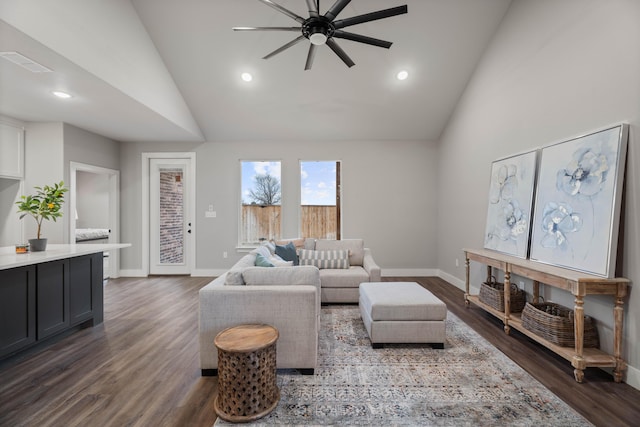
x=204 y=272
x=409 y=272
x=132 y=273
x=633 y=377
x=460 y=284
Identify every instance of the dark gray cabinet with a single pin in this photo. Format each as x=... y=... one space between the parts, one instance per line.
x=42 y=300
x=17 y=309
x=85 y=302
x=52 y=290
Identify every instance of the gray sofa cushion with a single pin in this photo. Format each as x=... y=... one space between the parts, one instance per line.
x=354 y=246
x=301 y=275
x=310 y=244
x=350 y=278
x=234 y=275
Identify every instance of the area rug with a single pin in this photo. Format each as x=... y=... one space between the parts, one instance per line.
x=468 y=383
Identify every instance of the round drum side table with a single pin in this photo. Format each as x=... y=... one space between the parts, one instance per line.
x=247 y=387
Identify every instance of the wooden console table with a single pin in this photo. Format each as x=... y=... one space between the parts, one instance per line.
x=578 y=283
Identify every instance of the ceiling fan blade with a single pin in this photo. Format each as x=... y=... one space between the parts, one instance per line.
x=336 y=9
x=362 y=39
x=310 y=56
x=266 y=28
x=313 y=8
x=281 y=9
x=367 y=17
x=286 y=46
x=338 y=51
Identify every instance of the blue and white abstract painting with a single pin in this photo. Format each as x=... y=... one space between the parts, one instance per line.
x=577 y=205
x=510 y=204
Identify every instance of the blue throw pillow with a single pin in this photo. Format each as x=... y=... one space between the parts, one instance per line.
x=261 y=261
x=287 y=253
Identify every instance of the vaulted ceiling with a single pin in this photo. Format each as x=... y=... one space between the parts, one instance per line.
x=168 y=70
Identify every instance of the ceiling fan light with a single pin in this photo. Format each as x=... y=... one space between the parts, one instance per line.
x=402 y=75
x=318 y=39
x=60 y=94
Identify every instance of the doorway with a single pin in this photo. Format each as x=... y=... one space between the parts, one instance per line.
x=94 y=207
x=169 y=216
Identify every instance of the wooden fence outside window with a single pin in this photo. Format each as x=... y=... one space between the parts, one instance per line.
x=263 y=222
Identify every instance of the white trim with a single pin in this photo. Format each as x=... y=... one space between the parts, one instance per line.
x=145 y=158
x=114 y=208
x=203 y=272
x=633 y=377
x=239 y=243
x=408 y=272
x=132 y=273
x=339 y=193
x=451 y=279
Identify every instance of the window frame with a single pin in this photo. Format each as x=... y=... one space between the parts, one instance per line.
x=247 y=246
x=339 y=185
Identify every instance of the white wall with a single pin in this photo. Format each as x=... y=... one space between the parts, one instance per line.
x=10 y=225
x=83 y=32
x=87 y=147
x=44 y=165
x=49 y=149
x=10 y=192
x=92 y=200
x=555 y=70
x=389 y=197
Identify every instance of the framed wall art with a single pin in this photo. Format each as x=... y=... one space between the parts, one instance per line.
x=578 y=196
x=510 y=204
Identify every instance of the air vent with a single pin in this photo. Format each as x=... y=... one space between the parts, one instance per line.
x=25 y=62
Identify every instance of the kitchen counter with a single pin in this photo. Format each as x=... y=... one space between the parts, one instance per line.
x=10 y=259
x=45 y=295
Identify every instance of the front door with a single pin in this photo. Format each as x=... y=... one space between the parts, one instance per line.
x=170 y=219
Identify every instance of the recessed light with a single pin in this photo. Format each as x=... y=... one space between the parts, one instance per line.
x=246 y=77
x=62 y=95
x=402 y=75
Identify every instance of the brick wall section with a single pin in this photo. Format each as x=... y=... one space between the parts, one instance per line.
x=171 y=217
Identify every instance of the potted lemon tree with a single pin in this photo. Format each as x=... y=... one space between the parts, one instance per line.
x=44 y=204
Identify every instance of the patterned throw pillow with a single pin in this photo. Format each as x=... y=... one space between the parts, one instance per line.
x=325 y=259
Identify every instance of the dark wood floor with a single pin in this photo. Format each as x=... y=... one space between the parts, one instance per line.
x=140 y=368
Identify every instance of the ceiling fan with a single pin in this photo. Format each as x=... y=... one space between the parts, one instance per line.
x=323 y=29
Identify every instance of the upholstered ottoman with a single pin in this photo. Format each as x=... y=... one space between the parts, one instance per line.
x=402 y=312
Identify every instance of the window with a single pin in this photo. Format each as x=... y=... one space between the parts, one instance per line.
x=320 y=199
x=261 y=199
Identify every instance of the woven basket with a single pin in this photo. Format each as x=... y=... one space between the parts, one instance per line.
x=554 y=323
x=492 y=294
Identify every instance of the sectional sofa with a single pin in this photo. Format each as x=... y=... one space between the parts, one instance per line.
x=285 y=296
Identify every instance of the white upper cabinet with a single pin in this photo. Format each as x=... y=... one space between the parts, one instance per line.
x=11 y=151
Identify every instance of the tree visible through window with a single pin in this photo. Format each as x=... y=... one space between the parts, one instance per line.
x=261 y=199
x=320 y=199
